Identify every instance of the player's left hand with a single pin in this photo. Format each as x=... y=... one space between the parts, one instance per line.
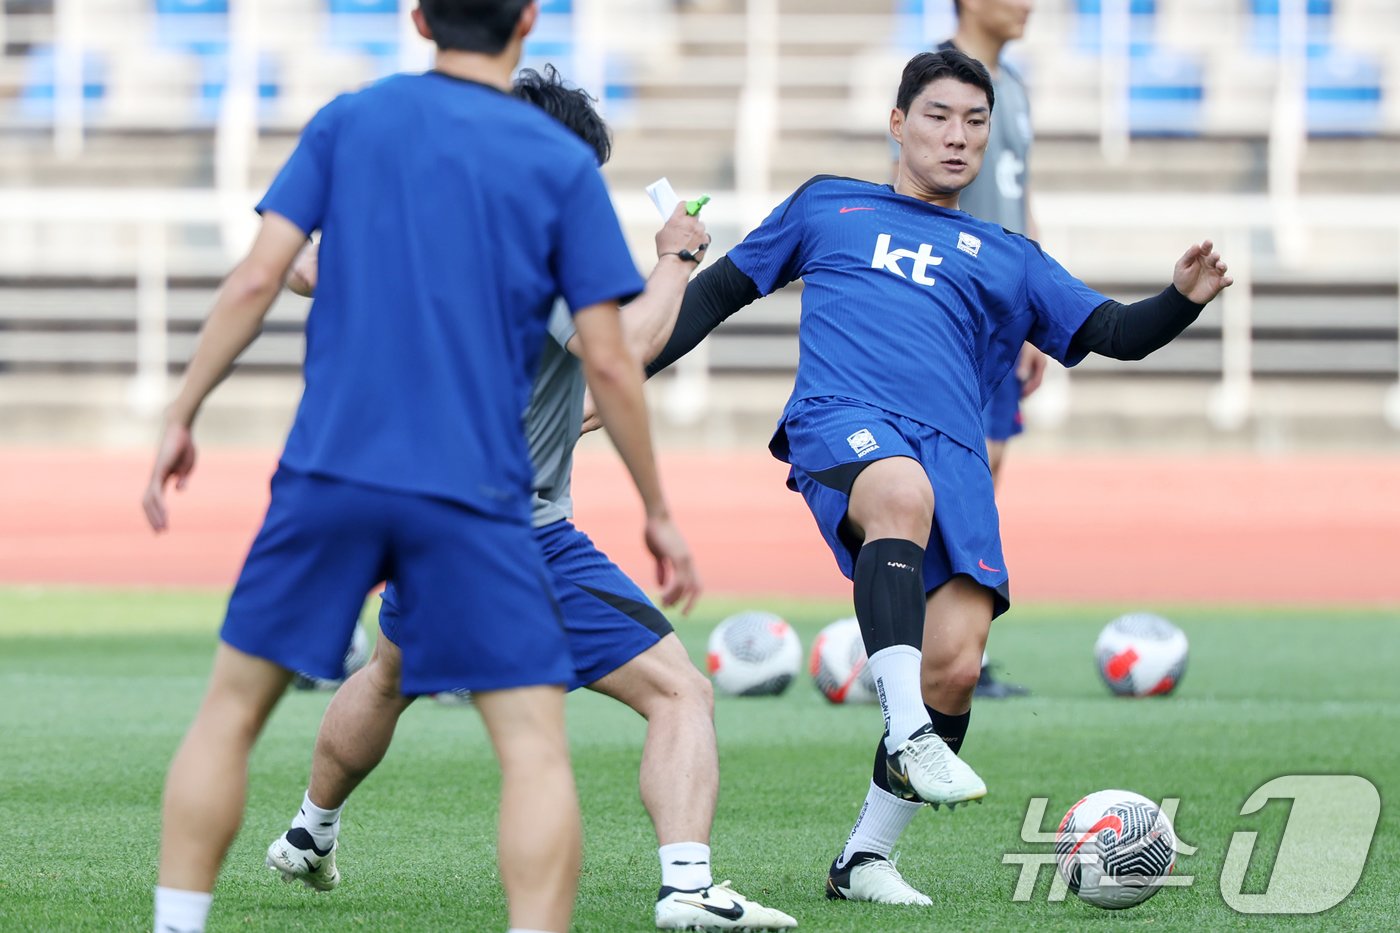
x=1200 y=273
x=1031 y=370
x=675 y=569
x=174 y=460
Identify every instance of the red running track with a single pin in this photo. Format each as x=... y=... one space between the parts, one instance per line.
x=1117 y=528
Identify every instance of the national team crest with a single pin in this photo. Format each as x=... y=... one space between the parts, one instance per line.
x=862 y=442
x=969 y=244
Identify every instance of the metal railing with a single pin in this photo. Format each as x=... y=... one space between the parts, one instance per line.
x=1239 y=224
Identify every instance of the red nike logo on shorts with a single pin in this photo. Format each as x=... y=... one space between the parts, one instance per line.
x=983 y=564
x=847 y=210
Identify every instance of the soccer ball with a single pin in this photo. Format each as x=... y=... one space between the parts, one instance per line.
x=356 y=657
x=1141 y=655
x=1114 y=848
x=754 y=654
x=838 y=664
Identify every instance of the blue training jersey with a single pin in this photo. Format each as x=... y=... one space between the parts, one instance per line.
x=452 y=216
x=913 y=308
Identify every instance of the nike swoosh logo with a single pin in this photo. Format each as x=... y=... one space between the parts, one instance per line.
x=847 y=210
x=983 y=564
x=732 y=912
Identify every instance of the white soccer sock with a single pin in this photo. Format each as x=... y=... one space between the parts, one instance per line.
x=685 y=866
x=883 y=819
x=323 y=825
x=524 y=930
x=896 y=673
x=181 y=911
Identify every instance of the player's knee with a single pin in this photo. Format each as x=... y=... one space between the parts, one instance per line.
x=951 y=676
x=903 y=510
x=680 y=691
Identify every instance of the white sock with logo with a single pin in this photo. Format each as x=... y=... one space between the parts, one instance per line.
x=897 y=684
x=685 y=866
x=322 y=824
x=181 y=911
x=883 y=819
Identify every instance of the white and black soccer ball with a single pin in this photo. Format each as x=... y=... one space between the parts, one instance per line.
x=1114 y=848
x=356 y=657
x=754 y=654
x=1141 y=655
x=839 y=666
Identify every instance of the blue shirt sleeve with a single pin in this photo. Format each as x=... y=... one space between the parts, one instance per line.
x=1059 y=304
x=301 y=190
x=592 y=263
x=772 y=254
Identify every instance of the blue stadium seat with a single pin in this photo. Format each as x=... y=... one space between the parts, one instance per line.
x=213 y=82
x=1343 y=94
x=1165 y=92
x=1088 y=24
x=371 y=27
x=1264 y=28
x=199 y=26
x=37 y=95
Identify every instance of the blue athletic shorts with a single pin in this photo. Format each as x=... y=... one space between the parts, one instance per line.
x=830 y=440
x=1001 y=419
x=483 y=613
x=607 y=618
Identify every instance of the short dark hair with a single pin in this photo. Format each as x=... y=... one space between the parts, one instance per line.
x=927 y=67
x=472 y=25
x=571 y=106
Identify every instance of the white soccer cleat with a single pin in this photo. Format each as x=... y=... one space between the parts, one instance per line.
x=874 y=878
x=718 y=907
x=923 y=767
x=296 y=857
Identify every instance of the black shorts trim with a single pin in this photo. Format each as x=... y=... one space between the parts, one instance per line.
x=644 y=614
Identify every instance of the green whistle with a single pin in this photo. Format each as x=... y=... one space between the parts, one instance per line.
x=693 y=207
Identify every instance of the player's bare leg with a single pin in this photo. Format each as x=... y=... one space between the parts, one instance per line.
x=358 y=726
x=956 y=624
x=540 y=838
x=680 y=784
x=680 y=761
x=355 y=734
x=208 y=779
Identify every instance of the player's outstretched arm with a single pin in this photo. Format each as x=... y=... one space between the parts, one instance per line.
x=710 y=299
x=1131 y=332
x=242 y=303
x=1200 y=273
x=615 y=379
x=648 y=319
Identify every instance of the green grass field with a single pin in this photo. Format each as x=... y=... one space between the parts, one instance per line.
x=96 y=689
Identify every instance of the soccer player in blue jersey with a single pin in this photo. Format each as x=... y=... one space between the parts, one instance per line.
x=451 y=216
x=622 y=645
x=912 y=312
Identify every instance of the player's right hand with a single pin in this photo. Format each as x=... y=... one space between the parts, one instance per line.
x=675 y=570
x=682 y=232
x=175 y=458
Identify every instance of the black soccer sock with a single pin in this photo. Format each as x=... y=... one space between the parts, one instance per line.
x=889 y=593
x=952 y=729
x=880 y=774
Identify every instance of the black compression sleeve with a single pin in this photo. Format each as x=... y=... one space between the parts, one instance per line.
x=1130 y=332
x=710 y=298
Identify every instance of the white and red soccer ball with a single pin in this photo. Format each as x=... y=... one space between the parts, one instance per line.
x=753 y=654
x=1114 y=849
x=839 y=666
x=1141 y=655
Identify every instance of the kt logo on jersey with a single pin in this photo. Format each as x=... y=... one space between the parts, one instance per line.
x=890 y=259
